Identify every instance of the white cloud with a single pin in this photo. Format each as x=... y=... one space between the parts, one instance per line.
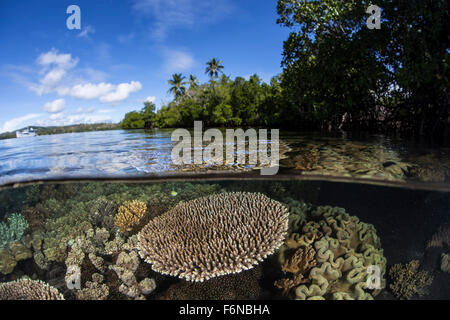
x=17 y=123
x=91 y=91
x=105 y=111
x=178 y=60
x=169 y=14
x=54 y=69
x=63 y=60
x=121 y=92
x=55 y=106
x=149 y=99
x=85 y=32
x=84 y=110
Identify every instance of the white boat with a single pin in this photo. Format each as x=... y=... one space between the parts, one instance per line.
x=28 y=132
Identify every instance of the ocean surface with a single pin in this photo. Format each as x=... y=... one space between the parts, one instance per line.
x=139 y=153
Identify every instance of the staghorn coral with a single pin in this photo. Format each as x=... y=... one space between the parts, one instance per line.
x=213 y=236
x=130 y=215
x=407 y=280
x=27 y=289
x=341 y=248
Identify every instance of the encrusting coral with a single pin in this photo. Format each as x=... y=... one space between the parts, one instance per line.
x=214 y=236
x=130 y=215
x=407 y=280
x=327 y=253
x=27 y=289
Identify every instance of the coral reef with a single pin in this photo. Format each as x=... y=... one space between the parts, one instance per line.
x=125 y=267
x=94 y=290
x=445 y=262
x=130 y=215
x=27 y=289
x=12 y=230
x=101 y=213
x=407 y=280
x=9 y=257
x=240 y=286
x=440 y=238
x=299 y=265
x=213 y=236
x=327 y=253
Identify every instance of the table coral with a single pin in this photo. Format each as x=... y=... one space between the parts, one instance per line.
x=214 y=236
x=407 y=280
x=327 y=253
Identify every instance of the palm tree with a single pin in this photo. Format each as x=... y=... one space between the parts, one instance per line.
x=193 y=81
x=177 y=82
x=214 y=67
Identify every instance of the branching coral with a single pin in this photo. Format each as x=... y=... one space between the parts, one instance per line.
x=130 y=215
x=407 y=280
x=12 y=230
x=213 y=236
x=328 y=253
x=26 y=289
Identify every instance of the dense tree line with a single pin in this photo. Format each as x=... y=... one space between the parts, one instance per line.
x=337 y=74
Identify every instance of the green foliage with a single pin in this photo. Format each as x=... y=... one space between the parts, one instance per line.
x=335 y=66
x=214 y=67
x=143 y=119
x=177 y=82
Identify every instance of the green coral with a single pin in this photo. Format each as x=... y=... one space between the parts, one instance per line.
x=407 y=280
x=12 y=230
x=345 y=247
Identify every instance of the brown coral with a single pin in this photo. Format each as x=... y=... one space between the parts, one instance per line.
x=130 y=215
x=407 y=280
x=26 y=289
x=213 y=236
x=298 y=264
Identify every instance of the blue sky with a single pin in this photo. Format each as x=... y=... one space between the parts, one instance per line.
x=124 y=54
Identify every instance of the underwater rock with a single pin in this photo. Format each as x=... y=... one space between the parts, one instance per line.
x=327 y=254
x=27 y=289
x=445 y=262
x=213 y=236
x=407 y=280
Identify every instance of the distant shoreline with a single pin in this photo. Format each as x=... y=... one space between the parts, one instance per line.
x=43 y=131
